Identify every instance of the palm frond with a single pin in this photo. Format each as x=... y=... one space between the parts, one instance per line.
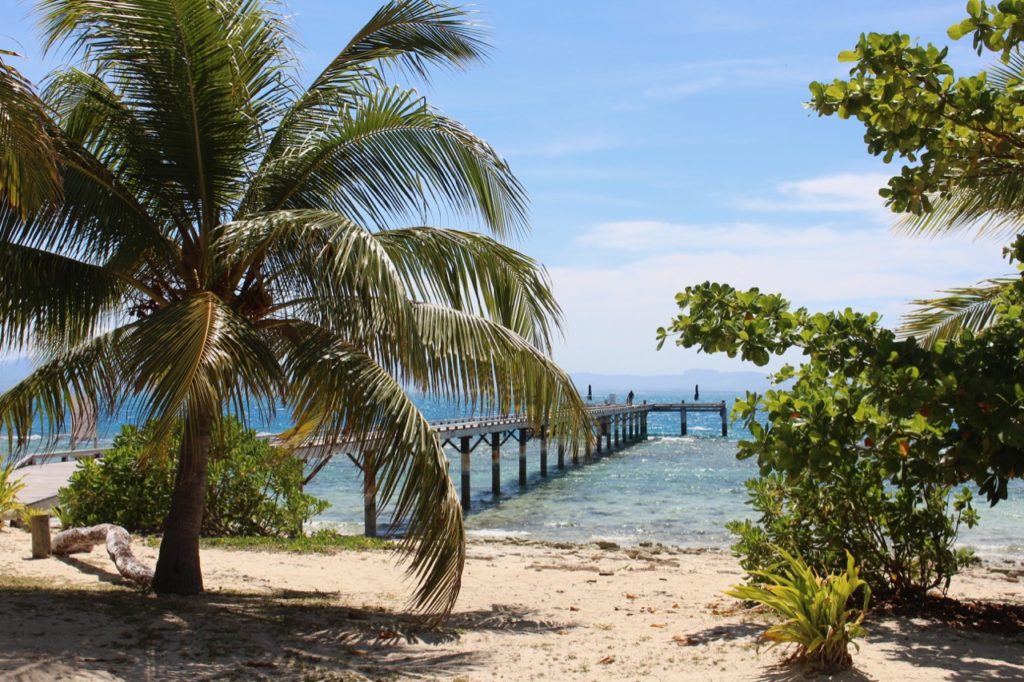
x=991 y=207
x=92 y=370
x=97 y=121
x=51 y=301
x=29 y=176
x=199 y=355
x=473 y=273
x=964 y=309
x=322 y=258
x=202 y=76
x=340 y=392
x=410 y=33
x=413 y=34
x=388 y=158
x=491 y=368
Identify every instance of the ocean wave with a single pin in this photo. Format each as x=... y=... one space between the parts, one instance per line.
x=497 y=533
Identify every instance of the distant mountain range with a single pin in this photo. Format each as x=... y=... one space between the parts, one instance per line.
x=709 y=380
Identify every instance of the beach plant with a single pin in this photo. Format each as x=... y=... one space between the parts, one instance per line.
x=60 y=513
x=9 y=489
x=226 y=240
x=26 y=514
x=819 y=621
x=253 y=489
x=961 y=140
x=904 y=537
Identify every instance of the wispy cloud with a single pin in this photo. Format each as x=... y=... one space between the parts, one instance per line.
x=690 y=78
x=840 y=193
x=653 y=235
x=568 y=143
x=823 y=267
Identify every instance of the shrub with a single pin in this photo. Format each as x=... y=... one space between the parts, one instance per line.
x=903 y=536
x=253 y=488
x=9 y=489
x=818 y=620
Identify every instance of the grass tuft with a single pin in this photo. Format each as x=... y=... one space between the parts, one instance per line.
x=320 y=542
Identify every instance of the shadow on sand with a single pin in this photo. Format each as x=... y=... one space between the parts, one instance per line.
x=964 y=656
x=93 y=633
x=958 y=641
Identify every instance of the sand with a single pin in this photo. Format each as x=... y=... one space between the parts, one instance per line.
x=528 y=611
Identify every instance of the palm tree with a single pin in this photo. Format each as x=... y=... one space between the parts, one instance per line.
x=227 y=240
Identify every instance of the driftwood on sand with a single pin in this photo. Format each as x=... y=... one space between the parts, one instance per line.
x=118 y=542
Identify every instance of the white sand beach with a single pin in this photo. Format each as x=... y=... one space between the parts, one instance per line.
x=527 y=611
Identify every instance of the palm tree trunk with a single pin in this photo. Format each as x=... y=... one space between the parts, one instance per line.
x=177 y=568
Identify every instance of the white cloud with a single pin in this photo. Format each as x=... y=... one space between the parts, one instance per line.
x=653 y=235
x=620 y=306
x=841 y=193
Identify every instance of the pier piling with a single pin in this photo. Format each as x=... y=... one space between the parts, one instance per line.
x=544 y=451
x=522 y=457
x=464 y=451
x=496 y=464
x=369 y=495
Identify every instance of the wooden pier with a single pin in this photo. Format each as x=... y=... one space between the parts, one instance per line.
x=615 y=427
x=684 y=408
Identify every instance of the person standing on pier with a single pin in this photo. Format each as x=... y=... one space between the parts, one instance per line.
x=629 y=398
x=590 y=393
x=696 y=392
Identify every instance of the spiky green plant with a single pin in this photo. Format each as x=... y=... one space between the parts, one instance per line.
x=26 y=514
x=819 y=622
x=227 y=241
x=9 y=489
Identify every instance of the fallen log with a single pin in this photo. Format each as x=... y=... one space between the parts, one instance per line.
x=118 y=543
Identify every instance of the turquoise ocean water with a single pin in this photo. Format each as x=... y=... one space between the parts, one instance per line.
x=670 y=489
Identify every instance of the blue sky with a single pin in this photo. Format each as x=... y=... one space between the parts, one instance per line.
x=664 y=143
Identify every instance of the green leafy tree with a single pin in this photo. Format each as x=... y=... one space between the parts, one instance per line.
x=861 y=450
x=227 y=240
x=947 y=414
x=961 y=141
